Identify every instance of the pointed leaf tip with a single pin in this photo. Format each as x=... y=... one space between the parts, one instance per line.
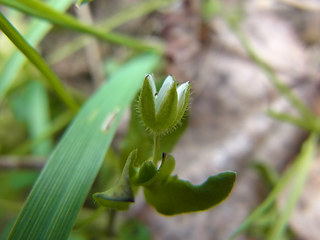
x=121 y=195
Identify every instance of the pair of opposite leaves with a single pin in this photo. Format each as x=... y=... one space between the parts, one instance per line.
x=168 y=194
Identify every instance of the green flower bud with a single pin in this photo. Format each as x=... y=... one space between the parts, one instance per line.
x=162 y=111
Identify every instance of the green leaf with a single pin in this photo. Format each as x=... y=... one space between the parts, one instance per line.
x=59 y=192
x=170 y=195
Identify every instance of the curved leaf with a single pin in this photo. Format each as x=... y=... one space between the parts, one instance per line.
x=170 y=195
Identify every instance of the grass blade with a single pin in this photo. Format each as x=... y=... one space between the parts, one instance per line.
x=38 y=30
x=37 y=61
x=305 y=160
x=282 y=88
x=123 y=16
x=307 y=124
x=282 y=183
x=56 y=125
x=30 y=105
x=57 y=196
x=42 y=10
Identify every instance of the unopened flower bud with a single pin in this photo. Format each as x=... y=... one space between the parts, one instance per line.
x=162 y=111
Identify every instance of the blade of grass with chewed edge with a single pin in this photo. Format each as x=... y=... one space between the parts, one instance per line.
x=38 y=30
x=44 y=11
x=58 y=194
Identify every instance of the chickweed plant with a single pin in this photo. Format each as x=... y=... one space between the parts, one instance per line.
x=160 y=113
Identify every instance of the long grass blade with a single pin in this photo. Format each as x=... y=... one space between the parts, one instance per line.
x=42 y=10
x=305 y=161
x=37 y=30
x=282 y=183
x=121 y=17
x=307 y=124
x=57 y=196
x=37 y=61
x=30 y=105
x=272 y=76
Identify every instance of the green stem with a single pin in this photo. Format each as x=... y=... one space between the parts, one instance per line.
x=156 y=148
x=112 y=217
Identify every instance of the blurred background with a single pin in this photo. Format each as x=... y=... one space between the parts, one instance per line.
x=210 y=43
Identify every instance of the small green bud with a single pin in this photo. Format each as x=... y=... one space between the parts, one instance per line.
x=162 y=111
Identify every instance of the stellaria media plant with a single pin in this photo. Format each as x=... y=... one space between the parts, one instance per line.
x=161 y=112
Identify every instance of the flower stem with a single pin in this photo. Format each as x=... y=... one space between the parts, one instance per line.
x=110 y=228
x=156 y=148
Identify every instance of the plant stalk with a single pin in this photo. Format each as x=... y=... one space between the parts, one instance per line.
x=112 y=217
x=156 y=148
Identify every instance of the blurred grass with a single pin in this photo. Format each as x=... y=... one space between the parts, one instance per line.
x=44 y=11
x=119 y=18
x=30 y=105
x=13 y=63
x=37 y=61
x=297 y=173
